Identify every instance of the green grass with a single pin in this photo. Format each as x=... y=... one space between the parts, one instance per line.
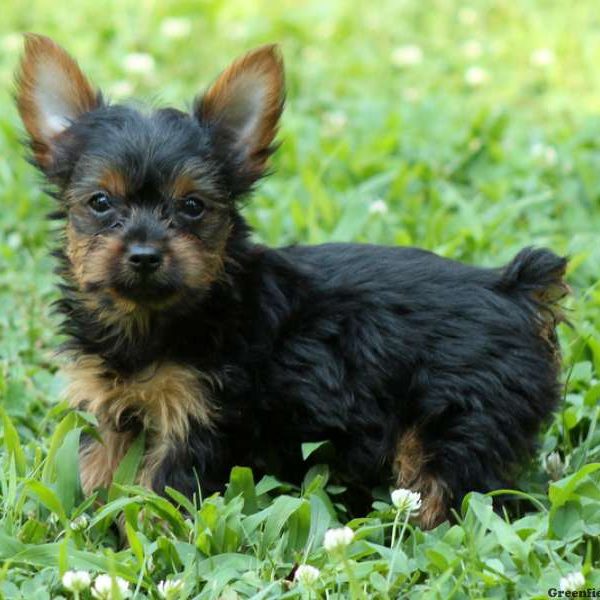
x=373 y=150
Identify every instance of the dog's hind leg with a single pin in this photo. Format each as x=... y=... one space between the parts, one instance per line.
x=476 y=447
x=413 y=471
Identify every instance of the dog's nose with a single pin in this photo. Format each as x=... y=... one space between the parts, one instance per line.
x=143 y=258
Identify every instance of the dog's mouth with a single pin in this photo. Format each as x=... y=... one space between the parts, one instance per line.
x=150 y=291
x=146 y=292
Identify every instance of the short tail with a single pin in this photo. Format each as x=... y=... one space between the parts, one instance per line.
x=539 y=274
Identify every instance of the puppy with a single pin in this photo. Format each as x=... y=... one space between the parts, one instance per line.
x=422 y=372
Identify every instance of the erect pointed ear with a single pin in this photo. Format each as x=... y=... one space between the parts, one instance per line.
x=52 y=92
x=243 y=107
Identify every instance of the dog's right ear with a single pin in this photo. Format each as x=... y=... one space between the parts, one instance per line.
x=243 y=107
x=52 y=93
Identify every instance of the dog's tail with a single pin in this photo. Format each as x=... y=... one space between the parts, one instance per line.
x=539 y=274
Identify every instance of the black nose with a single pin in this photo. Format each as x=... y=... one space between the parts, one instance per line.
x=143 y=258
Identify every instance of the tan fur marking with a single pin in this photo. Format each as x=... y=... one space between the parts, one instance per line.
x=114 y=182
x=201 y=267
x=98 y=462
x=262 y=66
x=131 y=320
x=434 y=509
x=77 y=250
x=91 y=257
x=410 y=467
x=409 y=458
x=183 y=185
x=163 y=397
x=41 y=52
x=195 y=177
x=551 y=313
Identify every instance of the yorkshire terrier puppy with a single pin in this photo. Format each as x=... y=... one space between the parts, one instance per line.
x=422 y=372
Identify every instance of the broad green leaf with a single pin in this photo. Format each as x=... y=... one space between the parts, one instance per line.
x=180 y=499
x=68 y=487
x=68 y=423
x=298 y=527
x=561 y=491
x=114 y=507
x=241 y=483
x=48 y=555
x=309 y=447
x=126 y=472
x=12 y=443
x=279 y=513
x=320 y=521
x=134 y=543
x=48 y=498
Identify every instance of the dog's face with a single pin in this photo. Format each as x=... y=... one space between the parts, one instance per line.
x=150 y=198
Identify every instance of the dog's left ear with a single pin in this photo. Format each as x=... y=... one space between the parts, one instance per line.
x=52 y=93
x=242 y=108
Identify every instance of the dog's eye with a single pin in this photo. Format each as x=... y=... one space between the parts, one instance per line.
x=100 y=203
x=192 y=207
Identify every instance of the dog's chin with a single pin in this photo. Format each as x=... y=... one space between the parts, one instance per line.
x=147 y=294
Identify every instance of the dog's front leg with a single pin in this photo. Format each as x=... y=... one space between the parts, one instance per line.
x=193 y=466
x=98 y=461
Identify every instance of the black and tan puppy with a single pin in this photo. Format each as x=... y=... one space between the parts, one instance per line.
x=422 y=372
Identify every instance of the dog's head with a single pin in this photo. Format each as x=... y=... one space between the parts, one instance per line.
x=149 y=197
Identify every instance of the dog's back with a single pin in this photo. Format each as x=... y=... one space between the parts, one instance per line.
x=454 y=367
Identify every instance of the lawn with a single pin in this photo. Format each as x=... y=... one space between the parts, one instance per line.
x=471 y=130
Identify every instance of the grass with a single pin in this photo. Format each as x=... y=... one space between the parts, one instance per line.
x=390 y=136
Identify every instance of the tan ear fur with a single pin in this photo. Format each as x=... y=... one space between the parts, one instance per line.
x=52 y=92
x=247 y=99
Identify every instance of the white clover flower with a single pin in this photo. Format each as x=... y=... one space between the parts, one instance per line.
x=378 y=207
x=412 y=94
x=472 y=49
x=325 y=30
x=237 y=31
x=550 y=156
x=467 y=16
x=306 y=575
x=546 y=155
x=176 y=27
x=554 y=465
x=12 y=42
x=312 y=54
x=170 y=589
x=337 y=539
x=121 y=89
x=475 y=144
x=103 y=586
x=476 y=76
x=76 y=581
x=406 y=501
x=572 y=582
x=80 y=523
x=139 y=62
x=335 y=121
x=407 y=56
x=542 y=57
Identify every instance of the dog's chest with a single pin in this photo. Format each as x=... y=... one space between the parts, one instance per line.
x=163 y=397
